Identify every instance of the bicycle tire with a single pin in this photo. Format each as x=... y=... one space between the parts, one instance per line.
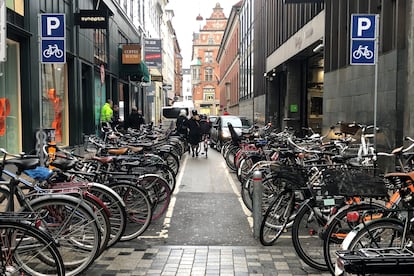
x=386 y=232
x=4 y=198
x=336 y=230
x=138 y=208
x=276 y=217
x=159 y=193
x=21 y=244
x=102 y=215
x=73 y=225
x=306 y=235
x=171 y=160
x=229 y=156
x=116 y=206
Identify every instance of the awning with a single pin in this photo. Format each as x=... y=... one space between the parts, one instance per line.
x=135 y=72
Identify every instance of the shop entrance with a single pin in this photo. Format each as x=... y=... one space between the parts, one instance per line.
x=315 y=93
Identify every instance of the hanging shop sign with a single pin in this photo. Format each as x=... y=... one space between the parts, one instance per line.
x=131 y=54
x=153 y=52
x=92 y=19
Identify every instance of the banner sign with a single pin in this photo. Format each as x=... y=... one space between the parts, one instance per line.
x=52 y=38
x=131 y=53
x=92 y=19
x=153 y=52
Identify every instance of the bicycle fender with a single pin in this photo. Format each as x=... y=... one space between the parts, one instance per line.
x=63 y=197
x=111 y=191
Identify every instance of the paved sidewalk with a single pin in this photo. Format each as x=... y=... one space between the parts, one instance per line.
x=201 y=260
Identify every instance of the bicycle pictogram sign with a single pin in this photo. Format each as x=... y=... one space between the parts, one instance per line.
x=363 y=38
x=52 y=31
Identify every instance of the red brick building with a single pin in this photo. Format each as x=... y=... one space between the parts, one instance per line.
x=205 y=69
x=228 y=60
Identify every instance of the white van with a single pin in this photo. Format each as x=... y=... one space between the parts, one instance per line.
x=170 y=113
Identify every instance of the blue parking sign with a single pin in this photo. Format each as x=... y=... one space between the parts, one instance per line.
x=363 y=26
x=363 y=39
x=52 y=33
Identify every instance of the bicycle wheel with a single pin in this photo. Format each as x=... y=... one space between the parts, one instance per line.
x=277 y=217
x=171 y=160
x=380 y=233
x=337 y=229
x=73 y=225
x=102 y=215
x=158 y=192
x=138 y=208
x=21 y=246
x=205 y=145
x=307 y=235
x=229 y=157
x=116 y=207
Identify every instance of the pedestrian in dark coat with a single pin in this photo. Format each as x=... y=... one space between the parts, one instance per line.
x=135 y=119
x=194 y=135
x=181 y=123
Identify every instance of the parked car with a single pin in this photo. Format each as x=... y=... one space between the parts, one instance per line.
x=220 y=133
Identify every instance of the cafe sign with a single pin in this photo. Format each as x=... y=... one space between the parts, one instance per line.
x=131 y=54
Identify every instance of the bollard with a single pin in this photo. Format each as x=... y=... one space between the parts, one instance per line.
x=257 y=203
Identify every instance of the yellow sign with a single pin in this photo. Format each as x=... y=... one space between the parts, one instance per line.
x=131 y=54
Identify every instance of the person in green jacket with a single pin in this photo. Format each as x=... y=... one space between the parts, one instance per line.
x=107 y=113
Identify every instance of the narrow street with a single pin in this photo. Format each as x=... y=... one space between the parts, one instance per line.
x=206 y=231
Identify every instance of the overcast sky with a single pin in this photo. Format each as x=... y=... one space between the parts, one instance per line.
x=184 y=21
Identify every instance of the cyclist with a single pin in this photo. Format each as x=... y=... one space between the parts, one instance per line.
x=205 y=125
x=194 y=135
x=205 y=132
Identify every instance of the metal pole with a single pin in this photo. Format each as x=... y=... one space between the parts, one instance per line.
x=41 y=133
x=376 y=79
x=257 y=203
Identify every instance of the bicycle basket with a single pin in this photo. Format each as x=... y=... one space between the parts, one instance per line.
x=349 y=128
x=293 y=177
x=354 y=182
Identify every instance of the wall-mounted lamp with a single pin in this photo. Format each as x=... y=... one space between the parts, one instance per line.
x=264 y=74
x=318 y=48
x=274 y=74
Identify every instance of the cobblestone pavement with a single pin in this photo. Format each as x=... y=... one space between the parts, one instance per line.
x=201 y=260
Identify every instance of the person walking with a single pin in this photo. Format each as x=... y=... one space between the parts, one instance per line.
x=135 y=119
x=107 y=114
x=115 y=117
x=194 y=135
x=181 y=124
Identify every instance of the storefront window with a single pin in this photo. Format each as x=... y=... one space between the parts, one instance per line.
x=54 y=101
x=10 y=119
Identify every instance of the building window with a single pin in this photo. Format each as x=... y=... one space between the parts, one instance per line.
x=16 y=6
x=209 y=94
x=208 y=74
x=99 y=42
x=208 y=57
x=210 y=40
x=54 y=100
x=10 y=94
